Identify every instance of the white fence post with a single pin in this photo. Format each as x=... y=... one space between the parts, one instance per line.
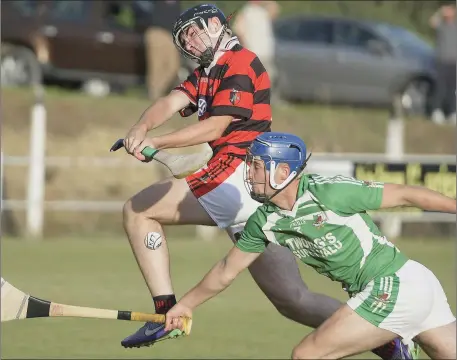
x=37 y=166
x=2 y=185
x=392 y=224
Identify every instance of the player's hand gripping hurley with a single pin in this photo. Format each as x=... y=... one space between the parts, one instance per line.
x=179 y=165
x=17 y=305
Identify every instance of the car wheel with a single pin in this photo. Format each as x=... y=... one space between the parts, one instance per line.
x=19 y=67
x=415 y=97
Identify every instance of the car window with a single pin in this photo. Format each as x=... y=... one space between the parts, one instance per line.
x=69 y=10
x=402 y=36
x=287 y=30
x=144 y=6
x=315 y=31
x=25 y=7
x=353 y=35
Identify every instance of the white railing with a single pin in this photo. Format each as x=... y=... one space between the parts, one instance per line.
x=322 y=163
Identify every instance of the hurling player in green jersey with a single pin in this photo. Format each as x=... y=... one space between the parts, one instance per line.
x=324 y=222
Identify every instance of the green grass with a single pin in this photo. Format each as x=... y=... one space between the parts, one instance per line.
x=103 y=273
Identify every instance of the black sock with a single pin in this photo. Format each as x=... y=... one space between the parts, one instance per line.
x=163 y=303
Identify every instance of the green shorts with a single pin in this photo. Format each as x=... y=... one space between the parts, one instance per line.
x=407 y=303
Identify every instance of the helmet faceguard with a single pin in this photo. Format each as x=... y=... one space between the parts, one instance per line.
x=273 y=149
x=249 y=183
x=193 y=38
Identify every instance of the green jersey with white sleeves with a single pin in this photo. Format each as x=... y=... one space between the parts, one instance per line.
x=329 y=229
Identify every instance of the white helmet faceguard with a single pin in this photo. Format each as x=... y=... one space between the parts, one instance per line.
x=270 y=166
x=197 y=27
x=194 y=23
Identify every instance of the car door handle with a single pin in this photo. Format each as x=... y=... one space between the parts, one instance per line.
x=49 y=30
x=105 y=37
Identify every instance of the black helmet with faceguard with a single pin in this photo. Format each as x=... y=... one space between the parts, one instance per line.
x=192 y=25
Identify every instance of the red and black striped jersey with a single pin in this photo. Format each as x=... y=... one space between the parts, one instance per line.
x=237 y=85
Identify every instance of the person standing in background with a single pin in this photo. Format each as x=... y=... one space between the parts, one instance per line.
x=444 y=23
x=254 y=28
x=162 y=57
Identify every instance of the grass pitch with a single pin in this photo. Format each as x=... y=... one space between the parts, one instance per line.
x=103 y=273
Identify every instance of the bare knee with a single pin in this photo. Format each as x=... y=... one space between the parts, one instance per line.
x=130 y=217
x=299 y=353
x=306 y=350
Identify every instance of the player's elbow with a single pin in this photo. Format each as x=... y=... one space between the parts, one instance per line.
x=227 y=279
x=428 y=199
x=411 y=194
x=226 y=274
x=218 y=125
x=215 y=133
x=173 y=102
x=166 y=105
x=418 y=196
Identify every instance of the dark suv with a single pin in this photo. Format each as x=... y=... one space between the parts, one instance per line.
x=84 y=42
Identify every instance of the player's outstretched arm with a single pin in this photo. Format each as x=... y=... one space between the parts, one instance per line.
x=216 y=280
x=417 y=196
x=163 y=109
x=154 y=116
x=204 y=131
x=219 y=277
